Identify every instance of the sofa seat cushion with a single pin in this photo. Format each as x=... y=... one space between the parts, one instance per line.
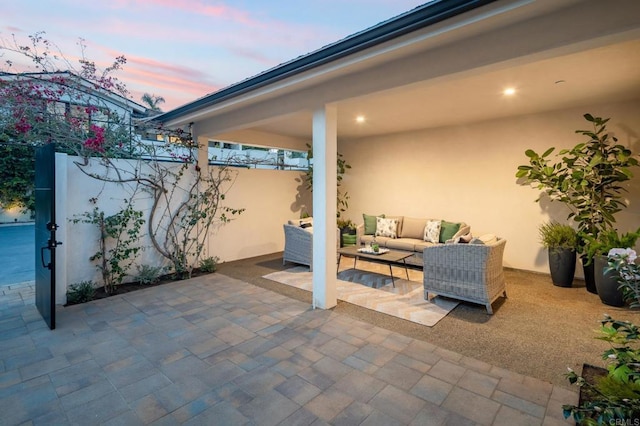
x=420 y=246
x=406 y=244
x=382 y=241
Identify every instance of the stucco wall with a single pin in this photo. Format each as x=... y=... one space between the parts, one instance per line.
x=269 y=198
x=467 y=173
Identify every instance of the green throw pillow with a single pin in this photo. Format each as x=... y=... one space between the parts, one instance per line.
x=370 y=223
x=448 y=230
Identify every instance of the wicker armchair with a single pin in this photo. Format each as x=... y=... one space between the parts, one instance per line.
x=470 y=272
x=298 y=244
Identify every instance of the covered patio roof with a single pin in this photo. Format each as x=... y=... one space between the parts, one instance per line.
x=443 y=63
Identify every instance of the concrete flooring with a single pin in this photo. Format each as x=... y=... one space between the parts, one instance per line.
x=214 y=350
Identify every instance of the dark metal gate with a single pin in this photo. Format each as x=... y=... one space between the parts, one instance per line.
x=45 y=230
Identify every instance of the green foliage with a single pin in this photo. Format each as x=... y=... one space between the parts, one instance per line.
x=81 y=292
x=149 y=274
x=118 y=240
x=191 y=203
x=17 y=176
x=609 y=239
x=75 y=109
x=555 y=235
x=587 y=178
x=209 y=264
x=617 y=397
x=346 y=224
x=153 y=102
x=342 y=198
x=624 y=264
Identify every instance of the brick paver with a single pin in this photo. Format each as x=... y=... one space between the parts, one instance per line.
x=215 y=350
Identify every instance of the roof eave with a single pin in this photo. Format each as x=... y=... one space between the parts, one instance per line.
x=418 y=18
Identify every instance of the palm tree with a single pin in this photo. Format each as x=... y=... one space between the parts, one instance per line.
x=153 y=102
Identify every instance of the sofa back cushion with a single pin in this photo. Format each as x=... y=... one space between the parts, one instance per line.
x=413 y=228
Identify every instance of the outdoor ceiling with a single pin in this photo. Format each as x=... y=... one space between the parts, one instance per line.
x=601 y=75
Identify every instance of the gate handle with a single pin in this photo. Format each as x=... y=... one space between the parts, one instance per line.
x=49 y=246
x=42 y=249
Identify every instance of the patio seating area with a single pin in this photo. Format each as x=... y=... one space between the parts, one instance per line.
x=219 y=350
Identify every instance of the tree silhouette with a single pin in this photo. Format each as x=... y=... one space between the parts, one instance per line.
x=153 y=102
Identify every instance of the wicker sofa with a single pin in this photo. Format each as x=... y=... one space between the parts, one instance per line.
x=298 y=241
x=409 y=235
x=472 y=272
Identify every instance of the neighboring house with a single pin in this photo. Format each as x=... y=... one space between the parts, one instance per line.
x=436 y=134
x=79 y=93
x=70 y=94
x=64 y=94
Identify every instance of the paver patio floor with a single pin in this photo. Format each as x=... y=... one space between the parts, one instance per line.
x=216 y=350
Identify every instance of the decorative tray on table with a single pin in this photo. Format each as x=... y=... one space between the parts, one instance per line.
x=369 y=250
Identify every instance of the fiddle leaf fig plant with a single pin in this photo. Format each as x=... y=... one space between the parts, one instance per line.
x=587 y=178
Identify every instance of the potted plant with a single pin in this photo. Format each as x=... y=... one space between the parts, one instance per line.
x=347 y=232
x=624 y=264
x=598 y=249
x=561 y=242
x=613 y=396
x=586 y=178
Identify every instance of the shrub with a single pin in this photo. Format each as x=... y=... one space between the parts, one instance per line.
x=149 y=274
x=614 y=399
x=81 y=292
x=210 y=264
x=554 y=235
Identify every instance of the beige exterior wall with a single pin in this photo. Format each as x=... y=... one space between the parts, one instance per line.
x=270 y=198
x=467 y=173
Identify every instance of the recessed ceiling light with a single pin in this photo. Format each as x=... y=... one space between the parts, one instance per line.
x=509 y=91
x=360 y=119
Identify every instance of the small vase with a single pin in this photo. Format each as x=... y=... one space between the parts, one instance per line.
x=607 y=283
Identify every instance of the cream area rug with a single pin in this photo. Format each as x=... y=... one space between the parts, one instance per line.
x=373 y=290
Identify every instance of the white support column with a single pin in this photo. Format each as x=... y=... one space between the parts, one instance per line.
x=325 y=145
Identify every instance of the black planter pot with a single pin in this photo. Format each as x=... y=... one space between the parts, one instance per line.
x=562 y=264
x=606 y=284
x=589 y=275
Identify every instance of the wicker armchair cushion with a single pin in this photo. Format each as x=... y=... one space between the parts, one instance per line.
x=303 y=223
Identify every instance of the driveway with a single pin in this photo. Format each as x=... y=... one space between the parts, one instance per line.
x=16 y=253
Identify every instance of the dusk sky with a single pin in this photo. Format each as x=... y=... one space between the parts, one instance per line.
x=185 y=49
